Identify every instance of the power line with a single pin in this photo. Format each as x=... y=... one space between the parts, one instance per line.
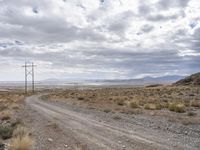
x=29 y=70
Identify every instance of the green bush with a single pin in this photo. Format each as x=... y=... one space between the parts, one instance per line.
x=6 y=131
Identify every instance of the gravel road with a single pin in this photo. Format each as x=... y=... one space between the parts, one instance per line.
x=98 y=130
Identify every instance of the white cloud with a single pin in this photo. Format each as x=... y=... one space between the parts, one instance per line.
x=87 y=38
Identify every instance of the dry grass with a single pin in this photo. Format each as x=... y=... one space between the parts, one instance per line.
x=20 y=131
x=21 y=139
x=21 y=143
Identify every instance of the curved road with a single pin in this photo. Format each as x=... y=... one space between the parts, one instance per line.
x=97 y=134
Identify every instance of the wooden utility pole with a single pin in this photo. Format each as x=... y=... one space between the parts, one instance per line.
x=27 y=73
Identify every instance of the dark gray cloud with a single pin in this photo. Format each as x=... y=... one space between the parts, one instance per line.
x=144 y=9
x=166 y=4
x=161 y=17
x=147 y=28
x=118 y=24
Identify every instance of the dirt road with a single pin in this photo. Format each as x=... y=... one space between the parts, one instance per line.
x=99 y=132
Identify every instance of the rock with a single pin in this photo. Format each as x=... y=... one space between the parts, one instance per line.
x=66 y=145
x=123 y=146
x=50 y=140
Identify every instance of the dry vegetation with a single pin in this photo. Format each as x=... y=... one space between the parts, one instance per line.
x=21 y=139
x=10 y=100
x=169 y=99
x=10 y=103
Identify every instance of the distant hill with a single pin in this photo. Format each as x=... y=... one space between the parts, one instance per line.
x=194 y=79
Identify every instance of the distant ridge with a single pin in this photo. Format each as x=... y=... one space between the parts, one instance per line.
x=145 y=81
x=193 y=79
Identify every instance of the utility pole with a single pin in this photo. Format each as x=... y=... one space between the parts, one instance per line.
x=33 y=84
x=29 y=70
x=25 y=77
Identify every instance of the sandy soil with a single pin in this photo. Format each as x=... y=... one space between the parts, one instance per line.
x=59 y=125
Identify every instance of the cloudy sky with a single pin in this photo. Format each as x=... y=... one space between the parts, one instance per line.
x=99 y=38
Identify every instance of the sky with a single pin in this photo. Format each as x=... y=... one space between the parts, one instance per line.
x=99 y=39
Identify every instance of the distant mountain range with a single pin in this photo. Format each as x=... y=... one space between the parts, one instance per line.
x=145 y=80
x=141 y=81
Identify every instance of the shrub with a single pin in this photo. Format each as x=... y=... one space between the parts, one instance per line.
x=133 y=104
x=80 y=98
x=195 y=104
x=116 y=117
x=21 y=143
x=107 y=110
x=121 y=103
x=5 y=115
x=191 y=113
x=6 y=131
x=177 y=107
